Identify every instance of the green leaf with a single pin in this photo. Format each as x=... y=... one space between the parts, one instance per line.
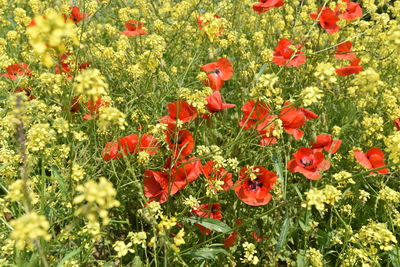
x=283 y=235
x=395 y=257
x=278 y=167
x=68 y=256
x=137 y=262
x=301 y=261
x=60 y=180
x=209 y=223
x=206 y=253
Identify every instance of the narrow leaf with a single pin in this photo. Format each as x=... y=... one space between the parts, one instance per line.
x=283 y=235
x=206 y=253
x=70 y=255
x=210 y=223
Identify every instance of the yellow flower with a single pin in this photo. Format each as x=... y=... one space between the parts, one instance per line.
x=249 y=254
x=178 y=239
x=122 y=249
x=50 y=33
x=90 y=83
x=29 y=227
x=99 y=197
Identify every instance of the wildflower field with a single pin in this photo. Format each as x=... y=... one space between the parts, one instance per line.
x=199 y=133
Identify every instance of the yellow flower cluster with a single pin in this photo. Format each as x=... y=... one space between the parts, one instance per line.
x=166 y=223
x=77 y=172
x=111 y=116
x=343 y=178
x=315 y=257
x=17 y=191
x=310 y=95
x=265 y=89
x=61 y=126
x=364 y=195
x=9 y=161
x=20 y=16
x=373 y=125
x=215 y=153
x=152 y=57
x=392 y=143
x=39 y=136
x=329 y=195
x=366 y=85
x=196 y=98
x=212 y=25
x=138 y=238
x=90 y=83
x=51 y=82
x=325 y=73
x=191 y=201
x=51 y=33
x=28 y=228
x=151 y=212
x=389 y=195
x=375 y=234
x=249 y=255
x=359 y=257
x=178 y=239
x=122 y=249
x=96 y=199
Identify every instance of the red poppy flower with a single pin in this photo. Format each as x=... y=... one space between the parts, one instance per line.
x=267 y=136
x=265 y=5
x=133 y=28
x=156 y=186
x=327 y=19
x=342 y=51
x=15 y=70
x=293 y=119
x=111 y=151
x=181 y=142
x=185 y=171
x=147 y=142
x=283 y=54
x=308 y=162
x=230 y=240
x=255 y=115
x=179 y=110
x=397 y=124
x=206 y=211
x=351 y=11
x=212 y=173
x=373 y=159
x=352 y=69
x=325 y=141
x=217 y=73
x=94 y=107
x=160 y=185
x=255 y=192
x=215 y=104
x=76 y=15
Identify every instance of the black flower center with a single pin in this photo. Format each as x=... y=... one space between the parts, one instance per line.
x=254 y=184
x=306 y=162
